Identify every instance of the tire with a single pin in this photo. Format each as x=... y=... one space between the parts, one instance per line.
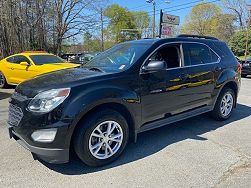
x=244 y=75
x=92 y=125
x=218 y=112
x=3 y=82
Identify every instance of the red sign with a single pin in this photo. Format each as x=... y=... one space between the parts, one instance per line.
x=167 y=30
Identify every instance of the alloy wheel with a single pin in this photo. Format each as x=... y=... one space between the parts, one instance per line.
x=106 y=139
x=227 y=103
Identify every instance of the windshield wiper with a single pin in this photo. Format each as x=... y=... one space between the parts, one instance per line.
x=96 y=69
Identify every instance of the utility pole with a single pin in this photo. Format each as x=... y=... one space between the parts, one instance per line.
x=247 y=34
x=154 y=10
x=160 y=23
x=154 y=7
x=102 y=31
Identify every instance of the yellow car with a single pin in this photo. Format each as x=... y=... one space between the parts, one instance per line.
x=20 y=67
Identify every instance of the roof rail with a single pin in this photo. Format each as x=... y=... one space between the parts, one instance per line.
x=197 y=36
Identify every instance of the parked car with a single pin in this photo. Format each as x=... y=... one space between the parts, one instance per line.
x=71 y=57
x=85 y=58
x=24 y=66
x=246 y=67
x=133 y=87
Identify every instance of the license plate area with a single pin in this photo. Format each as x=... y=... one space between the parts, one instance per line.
x=15 y=115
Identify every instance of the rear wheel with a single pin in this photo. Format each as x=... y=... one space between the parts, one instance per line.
x=101 y=138
x=3 y=82
x=224 y=105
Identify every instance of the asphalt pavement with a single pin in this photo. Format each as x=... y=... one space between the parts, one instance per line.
x=198 y=152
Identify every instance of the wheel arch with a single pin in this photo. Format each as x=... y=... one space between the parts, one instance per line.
x=122 y=109
x=232 y=85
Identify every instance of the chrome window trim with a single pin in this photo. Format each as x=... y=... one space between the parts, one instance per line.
x=181 y=54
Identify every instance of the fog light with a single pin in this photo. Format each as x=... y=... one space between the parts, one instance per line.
x=44 y=135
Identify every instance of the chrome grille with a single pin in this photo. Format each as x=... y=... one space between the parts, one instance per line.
x=15 y=115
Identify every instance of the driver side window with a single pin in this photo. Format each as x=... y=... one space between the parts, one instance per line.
x=18 y=59
x=170 y=54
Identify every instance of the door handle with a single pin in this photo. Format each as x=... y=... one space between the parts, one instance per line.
x=183 y=76
x=12 y=68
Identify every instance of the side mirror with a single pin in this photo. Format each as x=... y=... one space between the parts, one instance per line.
x=154 y=66
x=24 y=63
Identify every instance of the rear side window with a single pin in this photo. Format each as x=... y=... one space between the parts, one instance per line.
x=46 y=59
x=196 y=54
x=18 y=59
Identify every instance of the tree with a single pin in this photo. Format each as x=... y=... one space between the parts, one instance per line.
x=237 y=43
x=200 y=20
x=70 y=19
x=224 y=26
x=142 y=20
x=42 y=24
x=119 y=18
x=238 y=8
x=208 y=19
x=91 y=43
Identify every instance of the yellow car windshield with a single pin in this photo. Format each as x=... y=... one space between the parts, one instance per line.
x=46 y=59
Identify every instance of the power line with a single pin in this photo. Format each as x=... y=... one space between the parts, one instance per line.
x=172 y=10
x=193 y=5
x=147 y=5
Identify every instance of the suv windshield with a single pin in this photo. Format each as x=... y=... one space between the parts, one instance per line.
x=46 y=59
x=118 y=58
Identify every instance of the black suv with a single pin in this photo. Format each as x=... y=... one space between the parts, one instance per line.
x=133 y=87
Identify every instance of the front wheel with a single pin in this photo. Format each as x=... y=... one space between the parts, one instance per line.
x=224 y=105
x=3 y=82
x=101 y=138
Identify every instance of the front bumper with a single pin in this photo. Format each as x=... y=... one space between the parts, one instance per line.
x=246 y=70
x=50 y=155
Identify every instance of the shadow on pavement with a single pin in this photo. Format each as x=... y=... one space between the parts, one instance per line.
x=4 y=95
x=155 y=140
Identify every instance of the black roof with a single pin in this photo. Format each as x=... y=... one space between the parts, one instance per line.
x=180 y=38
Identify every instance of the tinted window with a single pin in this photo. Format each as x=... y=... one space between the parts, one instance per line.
x=169 y=54
x=18 y=59
x=195 y=54
x=118 y=58
x=46 y=59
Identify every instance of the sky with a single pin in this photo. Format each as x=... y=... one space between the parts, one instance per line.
x=174 y=7
x=179 y=8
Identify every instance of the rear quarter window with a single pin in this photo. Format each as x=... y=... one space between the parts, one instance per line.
x=196 y=54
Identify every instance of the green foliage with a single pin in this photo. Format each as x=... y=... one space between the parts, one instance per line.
x=237 y=42
x=141 y=20
x=224 y=27
x=91 y=44
x=125 y=25
x=201 y=19
x=208 y=19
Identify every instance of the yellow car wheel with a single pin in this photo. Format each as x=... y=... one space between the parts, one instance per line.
x=3 y=82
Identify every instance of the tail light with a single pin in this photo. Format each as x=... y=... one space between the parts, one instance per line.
x=239 y=66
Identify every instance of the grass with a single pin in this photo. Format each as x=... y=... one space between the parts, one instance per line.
x=243 y=57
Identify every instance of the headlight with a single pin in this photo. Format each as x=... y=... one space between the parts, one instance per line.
x=48 y=100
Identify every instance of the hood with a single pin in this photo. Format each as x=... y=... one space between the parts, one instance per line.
x=57 y=79
x=57 y=66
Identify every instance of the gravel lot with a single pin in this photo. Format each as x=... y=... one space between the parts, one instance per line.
x=198 y=152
